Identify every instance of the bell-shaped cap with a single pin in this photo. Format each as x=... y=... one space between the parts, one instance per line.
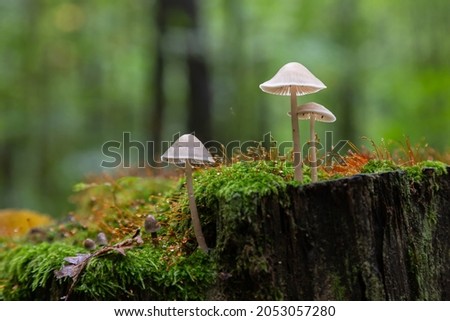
x=187 y=148
x=320 y=112
x=151 y=225
x=294 y=76
x=102 y=239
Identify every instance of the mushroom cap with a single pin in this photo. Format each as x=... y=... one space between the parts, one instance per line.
x=89 y=244
x=322 y=114
x=187 y=148
x=151 y=225
x=102 y=239
x=292 y=75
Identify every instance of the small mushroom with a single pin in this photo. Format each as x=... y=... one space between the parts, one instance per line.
x=152 y=226
x=293 y=79
x=89 y=244
x=314 y=112
x=102 y=240
x=186 y=151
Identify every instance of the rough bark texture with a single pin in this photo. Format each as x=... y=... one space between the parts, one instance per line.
x=368 y=237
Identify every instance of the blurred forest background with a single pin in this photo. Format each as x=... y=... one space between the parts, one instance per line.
x=76 y=74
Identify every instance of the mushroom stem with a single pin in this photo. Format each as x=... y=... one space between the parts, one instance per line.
x=154 y=238
x=298 y=173
x=193 y=207
x=312 y=119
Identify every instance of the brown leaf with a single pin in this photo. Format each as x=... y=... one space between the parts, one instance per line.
x=77 y=259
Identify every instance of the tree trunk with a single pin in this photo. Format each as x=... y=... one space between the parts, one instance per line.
x=368 y=237
x=182 y=15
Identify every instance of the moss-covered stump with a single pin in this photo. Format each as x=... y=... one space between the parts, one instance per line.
x=368 y=237
x=374 y=236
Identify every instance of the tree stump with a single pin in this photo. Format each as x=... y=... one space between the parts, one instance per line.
x=367 y=237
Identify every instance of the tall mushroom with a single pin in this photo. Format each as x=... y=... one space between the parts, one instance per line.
x=313 y=112
x=293 y=79
x=189 y=150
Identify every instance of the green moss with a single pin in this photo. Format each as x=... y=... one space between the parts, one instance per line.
x=117 y=207
x=424 y=263
x=144 y=273
x=147 y=273
x=230 y=194
x=243 y=178
x=439 y=167
x=416 y=174
x=3 y=274
x=228 y=199
x=379 y=166
x=174 y=270
x=29 y=269
x=338 y=290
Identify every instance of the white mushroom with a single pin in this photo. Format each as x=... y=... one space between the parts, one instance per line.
x=314 y=112
x=189 y=150
x=293 y=79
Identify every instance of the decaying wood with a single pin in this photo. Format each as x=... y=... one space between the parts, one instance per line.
x=368 y=237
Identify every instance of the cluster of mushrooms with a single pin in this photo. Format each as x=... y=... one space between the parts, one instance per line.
x=293 y=80
x=90 y=244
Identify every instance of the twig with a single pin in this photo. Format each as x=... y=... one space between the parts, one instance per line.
x=78 y=263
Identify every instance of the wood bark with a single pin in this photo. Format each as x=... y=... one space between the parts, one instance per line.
x=368 y=237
